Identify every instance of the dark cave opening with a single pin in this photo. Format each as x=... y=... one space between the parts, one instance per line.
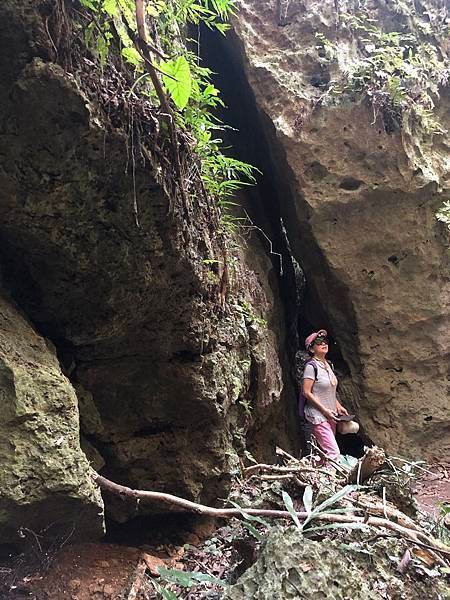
x=274 y=205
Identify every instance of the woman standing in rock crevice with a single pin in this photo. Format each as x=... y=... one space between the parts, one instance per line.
x=319 y=388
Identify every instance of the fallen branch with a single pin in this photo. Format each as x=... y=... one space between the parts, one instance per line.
x=275 y=477
x=284 y=454
x=379 y=508
x=277 y=469
x=138 y=581
x=187 y=505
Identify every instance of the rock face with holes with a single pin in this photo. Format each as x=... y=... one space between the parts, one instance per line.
x=172 y=342
x=291 y=566
x=361 y=214
x=44 y=476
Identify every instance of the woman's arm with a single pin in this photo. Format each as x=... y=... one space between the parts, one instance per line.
x=307 y=391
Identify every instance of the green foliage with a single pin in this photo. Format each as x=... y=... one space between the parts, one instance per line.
x=290 y=508
x=443 y=214
x=248 y=408
x=249 y=314
x=329 y=502
x=178 y=80
x=400 y=73
x=247 y=522
x=326 y=46
x=185 y=81
x=187 y=578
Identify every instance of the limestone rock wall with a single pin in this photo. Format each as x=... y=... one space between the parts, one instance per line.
x=44 y=476
x=360 y=215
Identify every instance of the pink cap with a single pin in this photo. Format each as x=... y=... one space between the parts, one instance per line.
x=310 y=339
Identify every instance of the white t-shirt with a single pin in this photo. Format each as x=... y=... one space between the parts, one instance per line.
x=324 y=388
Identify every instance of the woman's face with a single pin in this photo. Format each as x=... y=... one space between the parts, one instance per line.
x=321 y=346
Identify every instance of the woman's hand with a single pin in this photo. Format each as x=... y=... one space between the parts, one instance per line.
x=329 y=414
x=341 y=410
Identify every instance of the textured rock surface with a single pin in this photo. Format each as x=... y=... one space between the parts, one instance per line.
x=361 y=220
x=291 y=566
x=169 y=379
x=43 y=471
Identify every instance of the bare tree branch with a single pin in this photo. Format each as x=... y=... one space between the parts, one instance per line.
x=436 y=547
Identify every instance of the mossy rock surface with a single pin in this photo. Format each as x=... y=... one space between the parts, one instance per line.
x=291 y=566
x=45 y=477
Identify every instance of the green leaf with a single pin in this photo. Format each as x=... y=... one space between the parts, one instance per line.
x=307 y=499
x=255 y=533
x=110 y=7
x=167 y=594
x=89 y=4
x=178 y=80
x=290 y=506
x=330 y=501
x=249 y=517
x=348 y=461
x=132 y=56
x=187 y=578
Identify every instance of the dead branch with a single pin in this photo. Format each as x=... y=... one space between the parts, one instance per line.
x=138 y=580
x=378 y=508
x=368 y=464
x=277 y=469
x=187 y=505
x=278 y=477
x=284 y=454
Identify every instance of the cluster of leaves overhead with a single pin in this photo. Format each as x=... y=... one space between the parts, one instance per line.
x=399 y=72
x=185 y=81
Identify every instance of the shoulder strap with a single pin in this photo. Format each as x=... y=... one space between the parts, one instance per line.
x=314 y=366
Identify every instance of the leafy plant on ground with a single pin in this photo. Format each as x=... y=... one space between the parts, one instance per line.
x=339 y=495
x=187 y=578
x=193 y=97
x=247 y=522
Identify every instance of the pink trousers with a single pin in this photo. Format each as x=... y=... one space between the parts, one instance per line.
x=325 y=436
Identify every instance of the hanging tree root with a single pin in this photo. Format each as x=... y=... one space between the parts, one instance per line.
x=436 y=548
x=145 y=49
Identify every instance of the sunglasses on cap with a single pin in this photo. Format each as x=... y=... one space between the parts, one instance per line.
x=320 y=340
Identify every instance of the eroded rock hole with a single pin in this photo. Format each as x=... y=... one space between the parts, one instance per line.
x=350 y=184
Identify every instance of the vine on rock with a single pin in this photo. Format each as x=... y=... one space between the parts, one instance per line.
x=398 y=71
x=153 y=40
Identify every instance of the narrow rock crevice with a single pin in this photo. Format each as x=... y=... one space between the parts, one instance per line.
x=279 y=208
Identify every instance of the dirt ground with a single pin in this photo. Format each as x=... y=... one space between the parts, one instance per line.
x=434 y=488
